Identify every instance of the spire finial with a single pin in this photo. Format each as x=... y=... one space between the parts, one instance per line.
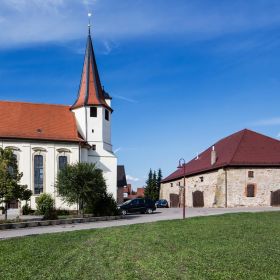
x=89 y=23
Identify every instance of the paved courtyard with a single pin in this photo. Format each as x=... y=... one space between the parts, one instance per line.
x=159 y=215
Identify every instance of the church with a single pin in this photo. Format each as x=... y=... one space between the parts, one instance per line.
x=46 y=137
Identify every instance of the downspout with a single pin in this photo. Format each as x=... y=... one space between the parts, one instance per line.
x=86 y=124
x=226 y=187
x=80 y=152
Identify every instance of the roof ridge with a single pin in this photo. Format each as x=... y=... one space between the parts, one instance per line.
x=241 y=138
x=34 y=103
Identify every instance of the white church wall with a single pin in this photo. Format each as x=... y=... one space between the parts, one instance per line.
x=25 y=152
x=80 y=115
x=108 y=163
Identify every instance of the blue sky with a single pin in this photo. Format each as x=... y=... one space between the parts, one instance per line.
x=183 y=74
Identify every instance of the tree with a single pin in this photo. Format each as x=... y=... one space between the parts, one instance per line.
x=149 y=185
x=84 y=184
x=159 y=178
x=26 y=194
x=153 y=184
x=10 y=188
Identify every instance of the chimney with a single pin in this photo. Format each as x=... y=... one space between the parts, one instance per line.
x=213 y=156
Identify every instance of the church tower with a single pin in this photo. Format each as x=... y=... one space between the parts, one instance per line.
x=93 y=111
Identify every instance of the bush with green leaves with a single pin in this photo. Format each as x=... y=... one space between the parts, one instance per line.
x=26 y=210
x=10 y=187
x=83 y=184
x=45 y=206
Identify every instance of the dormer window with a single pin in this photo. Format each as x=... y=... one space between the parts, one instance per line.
x=106 y=115
x=93 y=112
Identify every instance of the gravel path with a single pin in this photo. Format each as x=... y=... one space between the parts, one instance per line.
x=159 y=215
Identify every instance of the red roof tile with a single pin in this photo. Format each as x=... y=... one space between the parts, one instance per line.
x=37 y=121
x=243 y=148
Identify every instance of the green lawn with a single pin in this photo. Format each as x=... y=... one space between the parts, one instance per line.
x=232 y=246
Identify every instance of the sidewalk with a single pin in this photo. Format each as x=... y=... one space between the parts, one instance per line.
x=159 y=215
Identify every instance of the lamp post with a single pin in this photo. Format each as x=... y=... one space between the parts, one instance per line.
x=182 y=164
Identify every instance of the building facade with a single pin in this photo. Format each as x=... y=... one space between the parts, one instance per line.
x=46 y=137
x=242 y=169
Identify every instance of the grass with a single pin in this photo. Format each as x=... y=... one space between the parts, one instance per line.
x=231 y=246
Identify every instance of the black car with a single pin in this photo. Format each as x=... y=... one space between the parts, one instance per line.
x=162 y=203
x=138 y=205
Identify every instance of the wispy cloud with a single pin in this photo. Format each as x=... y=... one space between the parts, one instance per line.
x=131 y=178
x=117 y=150
x=35 y=21
x=109 y=46
x=130 y=100
x=268 y=122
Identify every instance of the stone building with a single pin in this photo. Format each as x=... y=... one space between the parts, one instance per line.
x=242 y=169
x=46 y=137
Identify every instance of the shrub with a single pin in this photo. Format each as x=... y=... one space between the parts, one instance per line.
x=83 y=184
x=26 y=210
x=104 y=205
x=63 y=212
x=45 y=206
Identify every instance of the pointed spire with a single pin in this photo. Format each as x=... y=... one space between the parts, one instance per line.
x=90 y=91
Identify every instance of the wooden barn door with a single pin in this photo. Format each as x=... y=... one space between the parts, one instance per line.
x=198 y=199
x=174 y=200
x=275 y=198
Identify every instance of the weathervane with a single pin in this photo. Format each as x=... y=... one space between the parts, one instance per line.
x=89 y=23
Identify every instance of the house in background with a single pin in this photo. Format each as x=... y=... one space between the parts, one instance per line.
x=242 y=169
x=129 y=193
x=121 y=183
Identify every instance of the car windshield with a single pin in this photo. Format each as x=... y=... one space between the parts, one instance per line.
x=127 y=202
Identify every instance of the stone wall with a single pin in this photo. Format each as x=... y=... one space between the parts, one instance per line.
x=213 y=185
x=265 y=180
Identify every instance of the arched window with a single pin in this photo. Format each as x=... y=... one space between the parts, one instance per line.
x=62 y=162
x=10 y=167
x=38 y=174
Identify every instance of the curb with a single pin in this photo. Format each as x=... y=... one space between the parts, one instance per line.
x=58 y=222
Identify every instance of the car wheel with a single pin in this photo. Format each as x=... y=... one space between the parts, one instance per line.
x=149 y=211
x=124 y=212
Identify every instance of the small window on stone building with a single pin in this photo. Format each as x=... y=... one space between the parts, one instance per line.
x=93 y=112
x=179 y=184
x=171 y=185
x=251 y=174
x=201 y=179
x=106 y=115
x=93 y=147
x=250 y=192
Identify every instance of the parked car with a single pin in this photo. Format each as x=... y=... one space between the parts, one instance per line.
x=138 y=205
x=162 y=203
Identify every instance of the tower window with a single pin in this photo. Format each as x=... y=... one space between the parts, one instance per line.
x=106 y=115
x=93 y=112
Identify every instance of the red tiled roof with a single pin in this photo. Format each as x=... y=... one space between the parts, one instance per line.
x=243 y=148
x=90 y=91
x=37 y=121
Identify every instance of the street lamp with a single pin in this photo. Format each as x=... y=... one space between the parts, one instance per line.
x=182 y=164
